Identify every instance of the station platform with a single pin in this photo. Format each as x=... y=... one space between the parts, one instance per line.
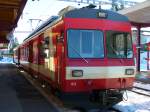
x=18 y=95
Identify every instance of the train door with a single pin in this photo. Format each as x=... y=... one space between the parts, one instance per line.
x=46 y=53
x=49 y=57
x=41 y=57
x=59 y=56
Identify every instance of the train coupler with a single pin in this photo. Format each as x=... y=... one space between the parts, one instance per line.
x=107 y=97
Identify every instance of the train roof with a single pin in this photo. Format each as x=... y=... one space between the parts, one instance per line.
x=49 y=21
x=95 y=13
x=83 y=13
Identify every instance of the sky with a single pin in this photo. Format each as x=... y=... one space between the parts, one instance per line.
x=38 y=11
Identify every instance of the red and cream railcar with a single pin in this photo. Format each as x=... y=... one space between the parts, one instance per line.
x=84 y=51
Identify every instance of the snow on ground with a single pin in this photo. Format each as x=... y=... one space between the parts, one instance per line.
x=6 y=60
x=143 y=61
x=135 y=103
x=142 y=85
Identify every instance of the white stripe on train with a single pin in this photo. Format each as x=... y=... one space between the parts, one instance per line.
x=100 y=72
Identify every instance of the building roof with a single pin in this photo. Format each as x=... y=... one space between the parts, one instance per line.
x=10 y=12
x=139 y=13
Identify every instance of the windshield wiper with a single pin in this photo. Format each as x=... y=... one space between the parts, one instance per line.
x=78 y=54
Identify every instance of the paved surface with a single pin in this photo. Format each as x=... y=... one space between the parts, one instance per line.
x=18 y=95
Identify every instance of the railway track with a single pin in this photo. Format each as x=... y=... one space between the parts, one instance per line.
x=139 y=89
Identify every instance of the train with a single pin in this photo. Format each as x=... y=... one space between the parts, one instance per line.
x=84 y=54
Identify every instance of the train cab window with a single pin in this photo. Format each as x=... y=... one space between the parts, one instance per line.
x=85 y=43
x=119 y=45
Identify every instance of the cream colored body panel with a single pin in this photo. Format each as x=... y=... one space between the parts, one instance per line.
x=39 y=68
x=34 y=67
x=46 y=72
x=100 y=72
x=24 y=63
x=49 y=68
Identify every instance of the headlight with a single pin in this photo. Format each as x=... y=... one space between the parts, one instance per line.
x=129 y=71
x=77 y=73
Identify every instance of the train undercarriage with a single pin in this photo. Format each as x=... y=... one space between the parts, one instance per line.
x=106 y=98
x=93 y=99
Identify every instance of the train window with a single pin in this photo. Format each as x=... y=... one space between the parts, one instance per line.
x=44 y=48
x=46 y=42
x=85 y=43
x=119 y=45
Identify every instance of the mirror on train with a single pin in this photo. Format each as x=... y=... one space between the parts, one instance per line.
x=60 y=39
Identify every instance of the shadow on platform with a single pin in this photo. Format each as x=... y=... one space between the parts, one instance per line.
x=18 y=95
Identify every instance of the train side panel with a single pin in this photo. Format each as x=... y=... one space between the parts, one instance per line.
x=46 y=56
x=24 y=53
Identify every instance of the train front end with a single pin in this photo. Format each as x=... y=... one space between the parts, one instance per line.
x=99 y=58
